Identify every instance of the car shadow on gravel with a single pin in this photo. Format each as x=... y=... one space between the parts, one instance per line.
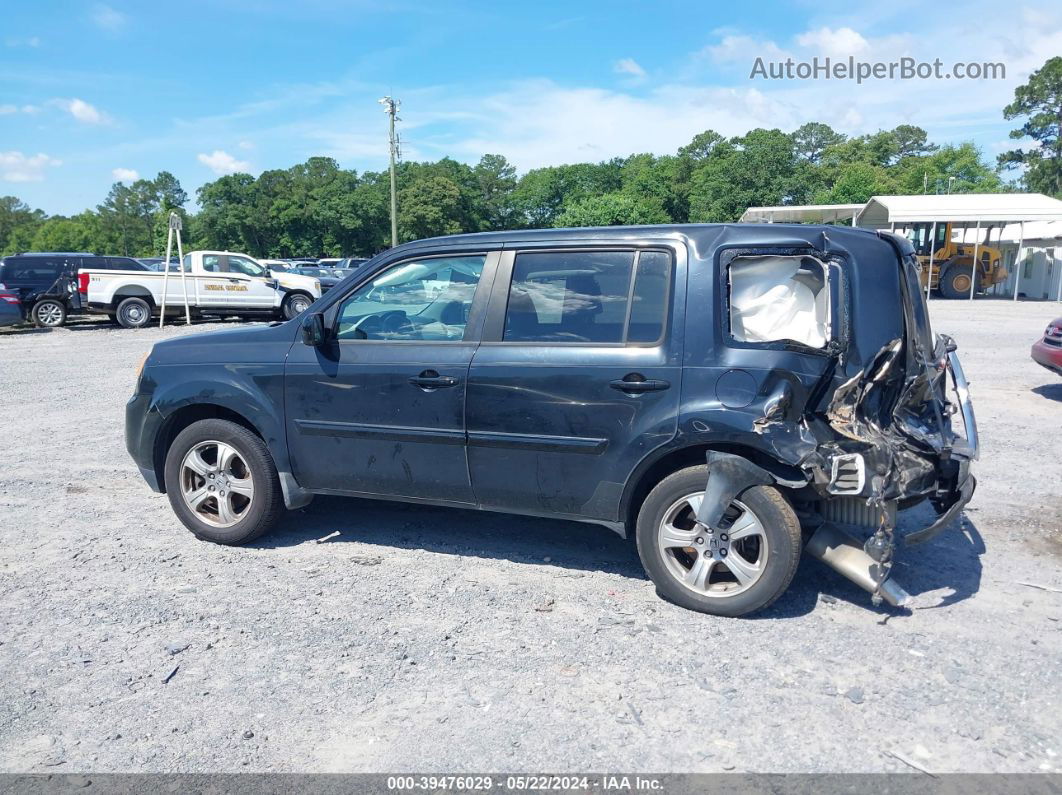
x=453 y=531
x=949 y=564
x=1049 y=391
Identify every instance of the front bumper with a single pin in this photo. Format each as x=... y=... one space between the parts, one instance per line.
x=1049 y=356
x=142 y=425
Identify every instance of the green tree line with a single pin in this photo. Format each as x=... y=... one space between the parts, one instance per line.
x=317 y=208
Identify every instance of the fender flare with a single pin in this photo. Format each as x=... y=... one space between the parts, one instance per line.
x=728 y=476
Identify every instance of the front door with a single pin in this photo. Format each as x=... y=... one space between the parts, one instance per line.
x=379 y=409
x=249 y=283
x=577 y=379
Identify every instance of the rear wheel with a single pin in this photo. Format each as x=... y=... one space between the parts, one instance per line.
x=736 y=569
x=295 y=304
x=956 y=281
x=222 y=482
x=49 y=313
x=133 y=313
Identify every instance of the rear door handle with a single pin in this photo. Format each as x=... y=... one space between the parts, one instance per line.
x=635 y=383
x=429 y=379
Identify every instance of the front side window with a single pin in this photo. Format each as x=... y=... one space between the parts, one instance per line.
x=587 y=296
x=211 y=263
x=777 y=298
x=247 y=267
x=424 y=299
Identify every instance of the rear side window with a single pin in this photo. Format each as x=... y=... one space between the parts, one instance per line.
x=775 y=298
x=125 y=264
x=588 y=296
x=32 y=270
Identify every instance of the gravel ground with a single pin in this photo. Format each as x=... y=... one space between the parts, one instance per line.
x=446 y=640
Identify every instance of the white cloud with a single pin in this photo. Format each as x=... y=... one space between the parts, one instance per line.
x=221 y=162
x=106 y=18
x=6 y=110
x=125 y=174
x=246 y=145
x=839 y=42
x=81 y=110
x=745 y=49
x=628 y=66
x=17 y=167
x=31 y=109
x=32 y=41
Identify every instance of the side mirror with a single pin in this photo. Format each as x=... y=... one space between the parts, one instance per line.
x=313 y=330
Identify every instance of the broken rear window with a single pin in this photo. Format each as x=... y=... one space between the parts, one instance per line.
x=776 y=298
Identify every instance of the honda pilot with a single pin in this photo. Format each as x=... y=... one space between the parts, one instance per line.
x=729 y=396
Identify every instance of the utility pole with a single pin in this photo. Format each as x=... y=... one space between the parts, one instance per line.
x=391 y=106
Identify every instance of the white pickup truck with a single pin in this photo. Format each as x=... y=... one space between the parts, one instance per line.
x=217 y=282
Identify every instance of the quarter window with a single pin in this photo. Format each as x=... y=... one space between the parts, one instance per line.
x=426 y=299
x=587 y=296
x=779 y=299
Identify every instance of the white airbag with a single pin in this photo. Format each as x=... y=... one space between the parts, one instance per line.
x=774 y=299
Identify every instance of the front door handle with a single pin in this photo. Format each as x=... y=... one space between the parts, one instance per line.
x=429 y=379
x=636 y=383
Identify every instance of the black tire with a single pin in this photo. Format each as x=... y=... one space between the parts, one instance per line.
x=780 y=526
x=265 y=507
x=112 y=319
x=48 y=313
x=133 y=313
x=955 y=281
x=295 y=304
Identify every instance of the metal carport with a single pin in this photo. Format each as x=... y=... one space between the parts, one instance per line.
x=1009 y=211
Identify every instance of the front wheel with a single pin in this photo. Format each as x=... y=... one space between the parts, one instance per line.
x=956 y=281
x=295 y=304
x=737 y=569
x=49 y=313
x=222 y=482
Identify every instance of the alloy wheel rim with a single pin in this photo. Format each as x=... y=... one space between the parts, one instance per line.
x=134 y=314
x=49 y=314
x=719 y=563
x=299 y=305
x=216 y=483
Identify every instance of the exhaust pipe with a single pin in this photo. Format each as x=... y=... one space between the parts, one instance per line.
x=844 y=554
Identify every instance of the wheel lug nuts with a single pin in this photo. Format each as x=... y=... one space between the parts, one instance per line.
x=700 y=540
x=210 y=488
x=707 y=553
x=722 y=553
x=724 y=537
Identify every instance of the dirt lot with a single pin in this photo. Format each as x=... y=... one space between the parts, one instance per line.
x=444 y=640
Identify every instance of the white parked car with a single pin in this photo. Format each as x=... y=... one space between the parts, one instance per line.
x=216 y=283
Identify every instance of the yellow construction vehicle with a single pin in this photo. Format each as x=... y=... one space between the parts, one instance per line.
x=953 y=262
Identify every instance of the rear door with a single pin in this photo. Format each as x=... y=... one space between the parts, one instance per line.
x=578 y=375
x=211 y=284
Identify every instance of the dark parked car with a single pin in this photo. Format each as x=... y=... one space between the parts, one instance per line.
x=328 y=277
x=10 y=307
x=727 y=395
x=351 y=262
x=1048 y=350
x=46 y=282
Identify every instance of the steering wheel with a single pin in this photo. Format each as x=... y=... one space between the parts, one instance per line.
x=394 y=323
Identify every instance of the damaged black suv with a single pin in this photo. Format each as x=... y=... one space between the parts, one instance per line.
x=729 y=395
